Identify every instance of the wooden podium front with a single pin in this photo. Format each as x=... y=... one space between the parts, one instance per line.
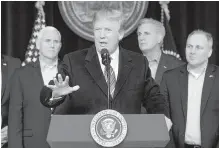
x=73 y=131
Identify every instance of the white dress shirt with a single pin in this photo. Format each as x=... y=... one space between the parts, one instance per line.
x=48 y=71
x=153 y=64
x=114 y=62
x=195 y=85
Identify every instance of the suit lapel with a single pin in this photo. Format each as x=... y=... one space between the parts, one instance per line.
x=161 y=68
x=125 y=67
x=183 y=81
x=4 y=78
x=207 y=85
x=93 y=67
x=38 y=73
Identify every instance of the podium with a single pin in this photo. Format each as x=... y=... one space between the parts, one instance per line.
x=73 y=131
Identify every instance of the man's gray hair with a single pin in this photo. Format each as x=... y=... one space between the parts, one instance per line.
x=42 y=31
x=110 y=14
x=206 y=34
x=158 y=25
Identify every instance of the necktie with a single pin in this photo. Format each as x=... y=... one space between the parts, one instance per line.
x=112 y=80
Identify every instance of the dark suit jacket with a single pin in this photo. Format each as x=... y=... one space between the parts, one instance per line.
x=28 y=119
x=8 y=67
x=166 y=62
x=175 y=88
x=134 y=85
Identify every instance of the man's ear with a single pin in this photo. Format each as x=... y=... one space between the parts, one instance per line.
x=37 y=44
x=160 y=38
x=210 y=53
x=121 y=34
x=60 y=44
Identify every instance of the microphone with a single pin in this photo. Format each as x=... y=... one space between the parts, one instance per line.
x=105 y=57
x=106 y=61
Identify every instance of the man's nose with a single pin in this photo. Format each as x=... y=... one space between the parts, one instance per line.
x=193 y=50
x=141 y=37
x=102 y=34
x=52 y=44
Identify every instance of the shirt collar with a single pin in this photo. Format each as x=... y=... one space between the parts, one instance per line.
x=44 y=65
x=155 y=58
x=113 y=56
x=195 y=74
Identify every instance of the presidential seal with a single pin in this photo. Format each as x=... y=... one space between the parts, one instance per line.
x=108 y=128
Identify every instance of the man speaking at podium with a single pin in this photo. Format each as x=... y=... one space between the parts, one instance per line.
x=81 y=81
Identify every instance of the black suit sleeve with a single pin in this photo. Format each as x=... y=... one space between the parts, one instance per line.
x=154 y=101
x=46 y=95
x=164 y=91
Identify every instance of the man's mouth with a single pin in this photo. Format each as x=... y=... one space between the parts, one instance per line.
x=192 y=58
x=103 y=44
x=51 y=50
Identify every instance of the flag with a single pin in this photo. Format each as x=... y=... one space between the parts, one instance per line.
x=32 y=52
x=169 y=46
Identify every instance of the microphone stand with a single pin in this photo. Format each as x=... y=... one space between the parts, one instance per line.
x=108 y=84
x=106 y=61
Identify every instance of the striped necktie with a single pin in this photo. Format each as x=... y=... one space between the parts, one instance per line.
x=112 y=80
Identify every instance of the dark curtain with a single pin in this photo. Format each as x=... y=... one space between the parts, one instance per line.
x=18 y=17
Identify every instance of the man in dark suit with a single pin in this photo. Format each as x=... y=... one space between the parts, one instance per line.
x=150 y=38
x=28 y=119
x=9 y=64
x=134 y=85
x=193 y=96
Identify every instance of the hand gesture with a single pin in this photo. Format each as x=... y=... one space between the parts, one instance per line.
x=62 y=88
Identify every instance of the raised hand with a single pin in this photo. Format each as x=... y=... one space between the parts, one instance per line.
x=62 y=88
x=4 y=135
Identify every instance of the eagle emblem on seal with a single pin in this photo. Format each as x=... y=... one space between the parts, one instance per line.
x=108 y=128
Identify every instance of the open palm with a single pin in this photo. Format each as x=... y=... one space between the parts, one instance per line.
x=61 y=87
